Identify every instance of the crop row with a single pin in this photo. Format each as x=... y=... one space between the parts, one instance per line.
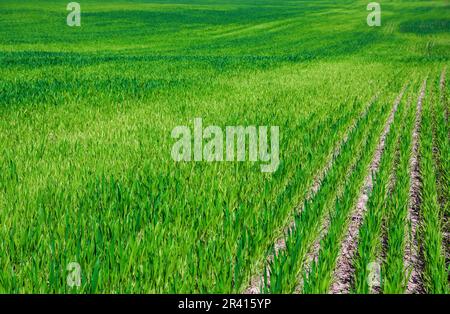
x=396 y=210
x=434 y=165
x=104 y=194
x=370 y=233
x=404 y=227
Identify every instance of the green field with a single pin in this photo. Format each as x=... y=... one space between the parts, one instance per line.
x=87 y=177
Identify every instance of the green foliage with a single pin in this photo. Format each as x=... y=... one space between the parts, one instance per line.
x=86 y=115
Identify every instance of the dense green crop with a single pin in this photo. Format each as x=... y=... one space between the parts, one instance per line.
x=370 y=233
x=397 y=210
x=433 y=207
x=86 y=114
x=320 y=277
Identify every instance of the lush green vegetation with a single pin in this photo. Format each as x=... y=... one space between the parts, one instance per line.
x=86 y=115
x=433 y=207
x=371 y=231
x=286 y=266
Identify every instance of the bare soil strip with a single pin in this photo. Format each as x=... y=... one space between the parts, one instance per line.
x=313 y=255
x=442 y=85
x=413 y=260
x=343 y=273
x=314 y=250
x=280 y=245
x=391 y=185
x=442 y=80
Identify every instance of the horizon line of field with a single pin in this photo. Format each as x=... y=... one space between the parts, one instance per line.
x=280 y=246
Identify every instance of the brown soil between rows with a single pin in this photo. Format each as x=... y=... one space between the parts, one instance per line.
x=413 y=259
x=344 y=272
x=280 y=245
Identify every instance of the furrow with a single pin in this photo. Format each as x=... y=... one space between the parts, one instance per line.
x=344 y=268
x=280 y=244
x=413 y=261
x=288 y=266
x=433 y=142
x=444 y=167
